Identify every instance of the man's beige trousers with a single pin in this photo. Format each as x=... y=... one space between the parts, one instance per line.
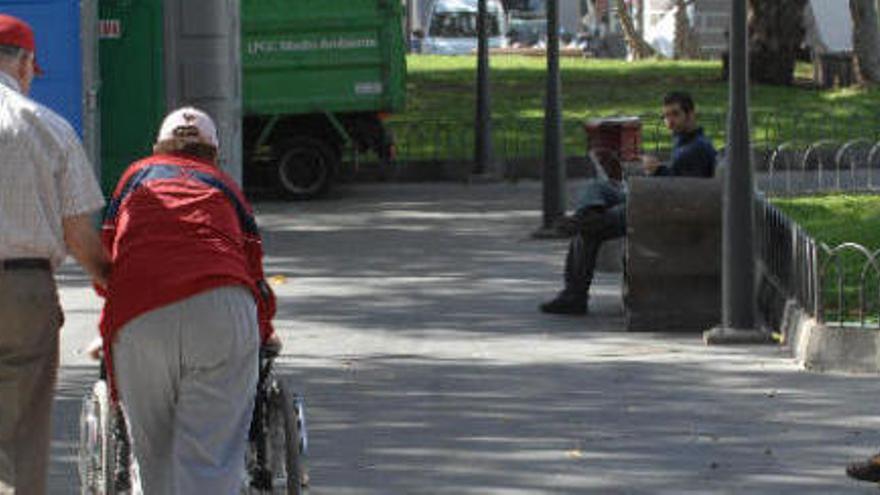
x=30 y=317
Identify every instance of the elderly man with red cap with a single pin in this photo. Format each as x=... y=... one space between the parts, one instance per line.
x=48 y=195
x=186 y=310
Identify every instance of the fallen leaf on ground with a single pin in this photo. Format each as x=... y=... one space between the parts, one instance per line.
x=575 y=454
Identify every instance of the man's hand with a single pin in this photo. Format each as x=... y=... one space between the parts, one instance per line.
x=83 y=242
x=95 y=348
x=273 y=342
x=650 y=164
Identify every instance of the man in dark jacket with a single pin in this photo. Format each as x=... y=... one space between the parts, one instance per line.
x=601 y=212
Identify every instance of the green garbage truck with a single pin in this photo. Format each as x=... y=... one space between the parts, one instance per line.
x=318 y=78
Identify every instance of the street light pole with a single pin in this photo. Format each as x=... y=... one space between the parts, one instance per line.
x=738 y=251
x=213 y=44
x=483 y=138
x=553 y=170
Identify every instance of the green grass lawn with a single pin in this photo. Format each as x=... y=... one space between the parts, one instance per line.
x=442 y=88
x=835 y=219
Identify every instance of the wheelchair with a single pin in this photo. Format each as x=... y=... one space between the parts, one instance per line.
x=278 y=440
x=275 y=458
x=104 y=460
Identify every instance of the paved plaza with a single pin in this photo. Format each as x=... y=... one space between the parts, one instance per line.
x=410 y=322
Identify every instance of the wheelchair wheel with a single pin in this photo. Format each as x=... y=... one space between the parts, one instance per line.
x=278 y=470
x=103 y=446
x=284 y=438
x=302 y=437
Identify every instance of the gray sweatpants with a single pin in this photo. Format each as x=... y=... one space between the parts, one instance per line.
x=187 y=376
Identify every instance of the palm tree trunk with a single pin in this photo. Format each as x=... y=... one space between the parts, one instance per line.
x=866 y=39
x=637 y=45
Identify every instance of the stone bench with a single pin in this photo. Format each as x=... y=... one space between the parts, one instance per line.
x=672 y=275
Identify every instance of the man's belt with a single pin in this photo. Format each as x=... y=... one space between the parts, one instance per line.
x=26 y=264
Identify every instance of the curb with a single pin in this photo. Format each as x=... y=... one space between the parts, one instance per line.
x=822 y=348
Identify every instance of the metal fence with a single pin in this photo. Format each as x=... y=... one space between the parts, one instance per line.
x=518 y=137
x=427 y=140
x=838 y=286
x=788 y=259
x=826 y=165
x=849 y=274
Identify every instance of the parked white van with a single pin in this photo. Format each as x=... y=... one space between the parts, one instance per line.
x=451 y=27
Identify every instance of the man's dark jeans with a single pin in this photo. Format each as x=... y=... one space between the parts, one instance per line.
x=583 y=249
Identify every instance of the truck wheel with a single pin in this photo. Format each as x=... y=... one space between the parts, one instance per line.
x=306 y=167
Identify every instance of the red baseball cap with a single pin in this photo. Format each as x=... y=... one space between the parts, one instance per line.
x=16 y=32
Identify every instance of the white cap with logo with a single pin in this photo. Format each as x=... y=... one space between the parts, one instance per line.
x=189 y=123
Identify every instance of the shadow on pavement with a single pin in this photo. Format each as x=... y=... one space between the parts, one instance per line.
x=414 y=425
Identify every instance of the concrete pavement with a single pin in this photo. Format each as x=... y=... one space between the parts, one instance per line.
x=409 y=315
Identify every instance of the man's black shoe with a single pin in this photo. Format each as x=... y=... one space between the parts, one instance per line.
x=868 y=470
x=565 y=306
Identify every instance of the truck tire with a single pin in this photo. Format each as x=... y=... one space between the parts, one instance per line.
x=306 y=167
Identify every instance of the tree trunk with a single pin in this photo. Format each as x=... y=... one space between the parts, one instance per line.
x=686 y=44
x=866 y=39
x=776 y=31
x=637 y=45
x=640 y=17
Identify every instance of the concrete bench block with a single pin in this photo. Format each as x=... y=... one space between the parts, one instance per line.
x=673 y=254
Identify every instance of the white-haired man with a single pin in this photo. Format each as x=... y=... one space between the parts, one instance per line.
x=48 y=195
x=186 y=310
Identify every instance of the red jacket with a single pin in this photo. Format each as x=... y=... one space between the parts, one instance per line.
x=177 y=226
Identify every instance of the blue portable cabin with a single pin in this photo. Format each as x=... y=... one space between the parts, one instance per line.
x=66 y=33
x=56 y=26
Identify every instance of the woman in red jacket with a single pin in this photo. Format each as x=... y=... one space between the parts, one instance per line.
x=186 y=310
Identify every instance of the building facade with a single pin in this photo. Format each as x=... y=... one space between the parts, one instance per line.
x=709 y=18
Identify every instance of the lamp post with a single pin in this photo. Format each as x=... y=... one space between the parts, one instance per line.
x=553 y=170
x=483 y=127
x=738 y=251
x=203 y=68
